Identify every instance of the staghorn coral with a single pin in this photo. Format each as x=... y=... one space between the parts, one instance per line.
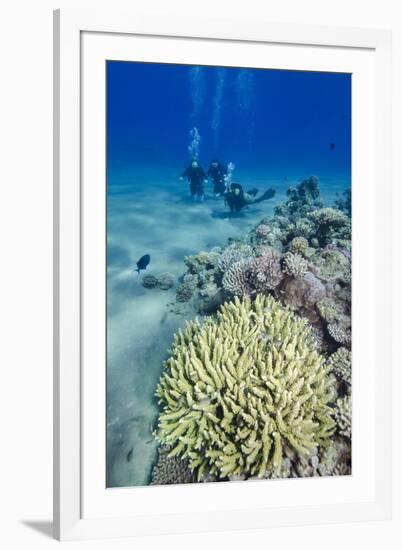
x=294 y=265
x=299 y=245
x=236 y=279
x=171 y=470
x=233 y=254
x=265 y=271
x=343 y=415
x=237 y=389
x=341 y=365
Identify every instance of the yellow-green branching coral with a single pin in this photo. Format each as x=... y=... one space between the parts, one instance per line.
x=240 y=388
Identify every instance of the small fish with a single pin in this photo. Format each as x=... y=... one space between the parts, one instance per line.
x=130 y=454
x=142 y=263
x=332 y=146
x=164 y=317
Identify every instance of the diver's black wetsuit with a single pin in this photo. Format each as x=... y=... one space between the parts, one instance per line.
x=217 y=174
x=237 y=199
x=196 y=177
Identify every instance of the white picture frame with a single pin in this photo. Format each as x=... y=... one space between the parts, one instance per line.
x=83 y=507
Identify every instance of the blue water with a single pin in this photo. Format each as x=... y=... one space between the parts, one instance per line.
x=277 y=128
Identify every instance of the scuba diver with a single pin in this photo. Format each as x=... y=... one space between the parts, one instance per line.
x=217 y=173
x=237 y=199
x=196 y=178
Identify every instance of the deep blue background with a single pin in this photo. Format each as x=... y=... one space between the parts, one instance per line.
x=278 y=123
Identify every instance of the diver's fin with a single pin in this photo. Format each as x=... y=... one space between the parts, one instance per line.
x=266 y=196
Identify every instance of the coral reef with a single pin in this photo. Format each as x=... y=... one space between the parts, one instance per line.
x=330 y=225
x=299 y=245
x=344 y=203
x=335 y=459
x=329 y=310
x=165 y=281
x=294 y=265
x=303 y=294
x=236 y=278
x=265 y=271
x=171 y=470
x=186 y=288
x=339 y=333
x=238 y=388
x=331 y=265
x=231 y=389
x=341 y=365
x=201 y=261
x=301 y=199
x=343 y=415
x=262 y=230
x=149 y=281
x=303 y=228
x=234 y=253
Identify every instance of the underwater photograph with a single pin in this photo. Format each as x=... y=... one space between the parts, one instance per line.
x=228 y=274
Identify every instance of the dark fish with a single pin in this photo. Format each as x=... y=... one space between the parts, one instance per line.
x=164 y=317
x=143 y=262
x=332 y=146
x=130 y=455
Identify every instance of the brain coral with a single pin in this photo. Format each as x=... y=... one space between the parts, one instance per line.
x=233 y=254
x=239 y=389
x=236 y=278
